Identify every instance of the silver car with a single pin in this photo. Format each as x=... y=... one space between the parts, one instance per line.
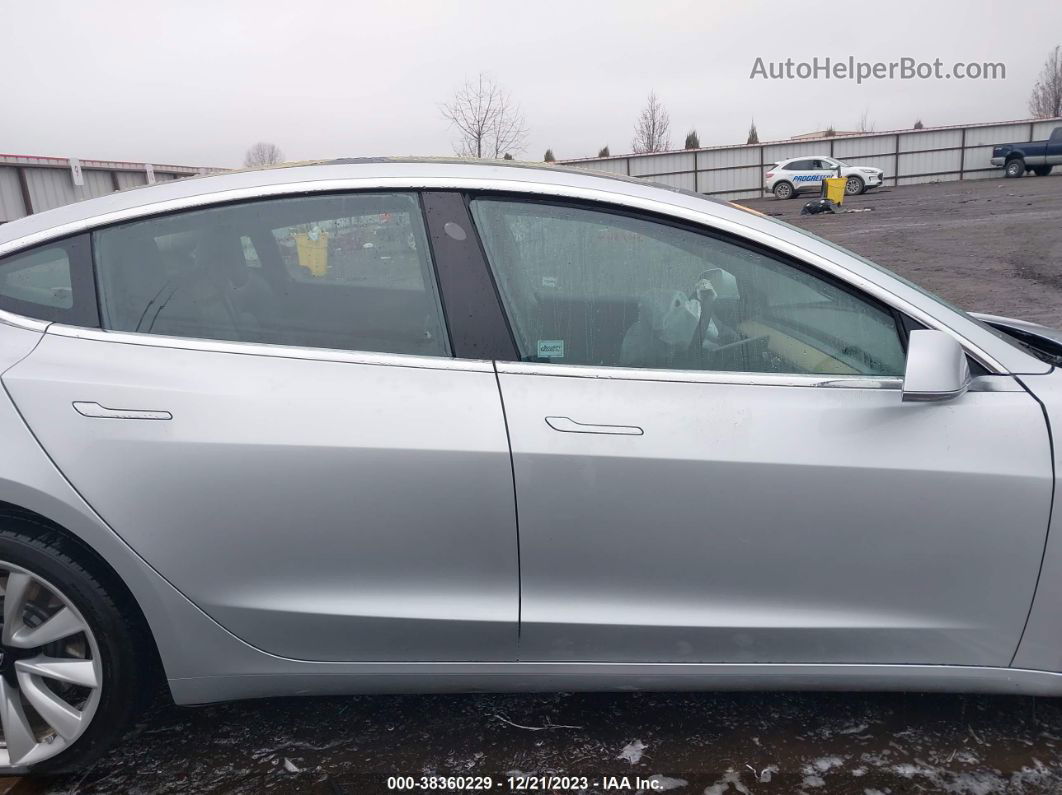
x=382 y=426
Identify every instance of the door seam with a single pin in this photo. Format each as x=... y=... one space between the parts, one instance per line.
x=1050 y=517
x=516 y=516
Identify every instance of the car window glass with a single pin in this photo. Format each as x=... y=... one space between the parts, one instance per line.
x=345 y=271
x=39 y=277
x=376 y=250
x=51 y=282
x=589 y=287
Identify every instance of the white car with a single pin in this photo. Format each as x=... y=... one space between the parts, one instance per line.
x=789 y=177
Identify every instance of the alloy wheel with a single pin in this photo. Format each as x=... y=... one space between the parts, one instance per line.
x=853 y=186
x=50 y=670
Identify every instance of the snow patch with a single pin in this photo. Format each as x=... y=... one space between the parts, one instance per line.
x=632 y=752
x=730 y=777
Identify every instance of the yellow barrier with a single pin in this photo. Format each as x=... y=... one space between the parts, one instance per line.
x=835 y=189
x=313 y=253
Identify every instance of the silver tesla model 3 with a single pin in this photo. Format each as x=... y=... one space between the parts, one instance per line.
x=385 y=425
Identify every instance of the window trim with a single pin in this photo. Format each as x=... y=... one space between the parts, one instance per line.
x=85 y=310
x=900 y=320
x=273 y=351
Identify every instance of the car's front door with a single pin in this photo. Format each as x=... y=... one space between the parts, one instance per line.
x=713 y=462
x=340 y=488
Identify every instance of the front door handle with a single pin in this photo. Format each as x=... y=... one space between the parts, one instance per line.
x=93 y=409
x=568 y=425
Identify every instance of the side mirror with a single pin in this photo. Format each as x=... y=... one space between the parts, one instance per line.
x=936 y=367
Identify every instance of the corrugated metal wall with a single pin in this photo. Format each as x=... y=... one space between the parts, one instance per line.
x=48 y=182
x=907 y=157
x=11 y=204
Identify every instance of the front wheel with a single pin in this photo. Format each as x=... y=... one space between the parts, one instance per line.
x=1043 y=171
x=1014 y=168
x=853 y=186
x=72 y=668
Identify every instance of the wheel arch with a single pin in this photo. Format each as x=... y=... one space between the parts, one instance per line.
x=792 y=186
x=36 y=525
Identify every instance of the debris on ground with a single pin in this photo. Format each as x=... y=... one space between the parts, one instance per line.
x=817 y=206
x=549 y=725
x=632 y=752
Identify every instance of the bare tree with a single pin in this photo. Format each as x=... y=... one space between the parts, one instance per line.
x=488 y=123
x=603 y=151
x=918 y=125
x=754 y=135
x=693 y=141
x=263 y=153
x=1046 y=99
x=829 y=132
x=548 y=157
x=652 y=133
x=865 y=124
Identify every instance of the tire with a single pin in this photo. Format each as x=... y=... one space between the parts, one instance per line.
x=854 y=185
x=1014 y=168
x=784 y=190
x=1043 y=171
x=115 y=666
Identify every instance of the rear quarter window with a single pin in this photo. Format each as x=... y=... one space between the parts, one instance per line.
x=51 y=282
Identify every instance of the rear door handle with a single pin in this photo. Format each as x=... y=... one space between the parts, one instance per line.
x=568 y=425
x=93 y=409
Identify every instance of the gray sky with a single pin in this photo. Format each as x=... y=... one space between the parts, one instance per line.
x=197 y=82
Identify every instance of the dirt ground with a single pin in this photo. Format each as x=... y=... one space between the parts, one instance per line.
x=989 y=245
x=986 y=245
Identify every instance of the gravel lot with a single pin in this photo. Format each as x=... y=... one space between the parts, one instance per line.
x=988 y=245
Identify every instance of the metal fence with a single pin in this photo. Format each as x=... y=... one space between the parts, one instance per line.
x=933 y=154
x=31 y=184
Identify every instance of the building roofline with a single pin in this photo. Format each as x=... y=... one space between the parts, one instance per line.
x=50 y=161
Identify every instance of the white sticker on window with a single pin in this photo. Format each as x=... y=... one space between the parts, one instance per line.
x=551 y=349
x=549 y=281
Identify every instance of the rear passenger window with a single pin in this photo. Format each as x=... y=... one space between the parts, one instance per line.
x=52 y=282
x=342 y=271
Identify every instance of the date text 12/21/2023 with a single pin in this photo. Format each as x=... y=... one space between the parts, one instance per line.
x=524 y=783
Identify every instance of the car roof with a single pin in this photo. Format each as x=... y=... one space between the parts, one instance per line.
x=374 y=172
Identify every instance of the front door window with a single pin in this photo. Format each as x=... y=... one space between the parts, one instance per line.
x=589 y=287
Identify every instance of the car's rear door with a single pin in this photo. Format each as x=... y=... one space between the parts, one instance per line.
x=730 y=475
x=803 y=175
x=323 y=477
